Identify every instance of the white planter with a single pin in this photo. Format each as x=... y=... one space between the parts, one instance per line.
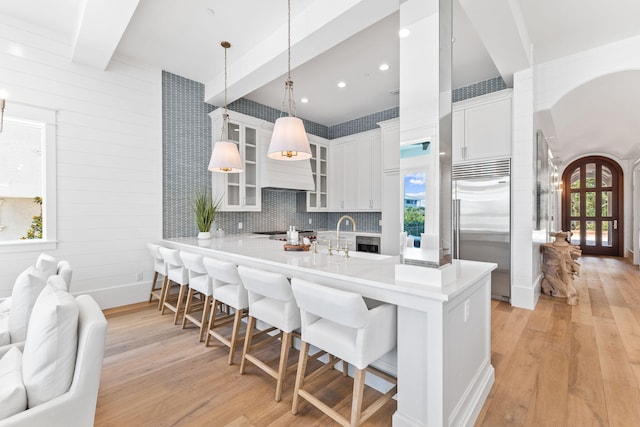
x=204 y=235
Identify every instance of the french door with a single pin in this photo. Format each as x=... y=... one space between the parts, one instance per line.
x=592 y=205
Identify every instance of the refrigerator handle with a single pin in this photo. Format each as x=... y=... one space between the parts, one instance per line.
x=456 y=228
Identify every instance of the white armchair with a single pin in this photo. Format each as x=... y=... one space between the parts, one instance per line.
x=77 y=406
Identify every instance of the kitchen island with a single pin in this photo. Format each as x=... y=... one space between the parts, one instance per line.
x=443 y=363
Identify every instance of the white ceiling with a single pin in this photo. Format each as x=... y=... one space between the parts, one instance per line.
x=183 y=37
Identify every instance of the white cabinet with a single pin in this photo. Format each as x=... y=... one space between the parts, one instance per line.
x=318 y=199
x=356 y=173
x=239 y=191
x=481 y=127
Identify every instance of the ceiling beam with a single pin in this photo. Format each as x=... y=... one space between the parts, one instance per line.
x=501 y=27
x=102 y=24
x=321 y=26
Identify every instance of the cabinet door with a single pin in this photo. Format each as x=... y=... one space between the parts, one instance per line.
x=362 y=179
x=376 y=172
x=457 y=136
x=234 y=195
x=488 y=130
x=351 y=173
x=336 y=177
x=251 y=196
x=317 y=199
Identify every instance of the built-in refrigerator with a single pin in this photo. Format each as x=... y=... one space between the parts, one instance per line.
x=482 y=218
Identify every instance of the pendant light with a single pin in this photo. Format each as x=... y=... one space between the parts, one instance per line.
x=289 y=140
x=225 y=157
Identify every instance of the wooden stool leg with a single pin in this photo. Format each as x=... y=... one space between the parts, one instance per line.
x=302 y=367
x=345 y=368
x=234 y=336
x=179 y=304
x=187 y=307
x=247 y=342
x=153 y=285
x=205 y=315
x=358 y=391
x=166 y=288
x=212 y=318
x=282 y=369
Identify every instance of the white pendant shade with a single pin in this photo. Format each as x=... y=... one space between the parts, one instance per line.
x=289 y=140
x=225 y=158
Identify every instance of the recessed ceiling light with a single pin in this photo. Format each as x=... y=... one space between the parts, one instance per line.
x=211 y=11
x=383 y=67
x=342 y=84
x=404 y=32
x=304 y=100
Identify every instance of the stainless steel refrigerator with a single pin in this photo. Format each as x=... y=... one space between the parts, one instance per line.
x=482 y=218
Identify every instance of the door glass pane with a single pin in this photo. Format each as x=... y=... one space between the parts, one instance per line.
x=590 y=203
x=250 y=174
x=251 y=196
x=233 y=178
x=606 y=203
x=575 y=178
x=591 y=232
x=575 y=204
x=606 y=177
x=323 y=184
x=313 y=166
x=313 y=151
x=605 y=236
x=323 y=167
x=590 y=181
x=233 y=194
x=250 y=153
x=250 y=136
x=323 y=153
x=575 y=232
x=312 y=200
x=234 y=132
x=323 y=200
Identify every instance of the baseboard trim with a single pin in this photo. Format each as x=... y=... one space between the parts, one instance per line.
x=526 y=298
x=118 y=296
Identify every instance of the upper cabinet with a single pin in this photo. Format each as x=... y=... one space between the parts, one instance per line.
x=239 y=191
x=355 y=182
x=318 y=199
x=482 y=127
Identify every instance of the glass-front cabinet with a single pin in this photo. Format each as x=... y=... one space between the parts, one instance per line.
x=239 y=191
x=317 y=199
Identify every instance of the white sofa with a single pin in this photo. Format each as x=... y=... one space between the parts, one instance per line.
x=77 y=406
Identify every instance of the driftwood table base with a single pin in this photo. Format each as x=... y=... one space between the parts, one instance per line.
x=559 y=266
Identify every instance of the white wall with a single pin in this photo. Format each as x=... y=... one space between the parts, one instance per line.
x=109 y=161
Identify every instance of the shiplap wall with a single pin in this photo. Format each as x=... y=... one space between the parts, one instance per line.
x=109 y=161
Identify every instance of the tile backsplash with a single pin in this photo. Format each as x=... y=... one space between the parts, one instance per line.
x=186 y=147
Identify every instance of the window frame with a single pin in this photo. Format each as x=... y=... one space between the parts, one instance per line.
x=43 y=116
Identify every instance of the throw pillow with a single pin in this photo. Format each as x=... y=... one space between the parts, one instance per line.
x=49 y=355
x=25 y=291
x=5 y=336
x=13 y=397
x=47 y=264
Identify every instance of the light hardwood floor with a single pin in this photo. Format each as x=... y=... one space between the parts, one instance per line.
x=555 y=366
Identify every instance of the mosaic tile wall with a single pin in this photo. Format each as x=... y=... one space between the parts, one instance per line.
x=362 y=124
x=186 y=147
x=480 y=88
x=186 y=141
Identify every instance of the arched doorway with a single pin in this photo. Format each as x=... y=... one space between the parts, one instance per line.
x=592 y=205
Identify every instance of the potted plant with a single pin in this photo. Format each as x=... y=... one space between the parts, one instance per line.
x=205 y=210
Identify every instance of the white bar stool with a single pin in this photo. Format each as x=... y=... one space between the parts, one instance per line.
x=339 y=323
x=177 y=274
x=160 y=268
x=227 y=289
x=271 y=301
x=200 y=282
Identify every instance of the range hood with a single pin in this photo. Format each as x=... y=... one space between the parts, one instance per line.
x=288 y=175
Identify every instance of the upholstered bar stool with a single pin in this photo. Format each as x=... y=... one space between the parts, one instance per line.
x=229 y=290
x=200 y=282
x=339 y=323
x=178 y=274
x=159 y=268
x=270 y=301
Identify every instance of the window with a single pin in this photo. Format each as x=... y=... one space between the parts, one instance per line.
x=27 y=179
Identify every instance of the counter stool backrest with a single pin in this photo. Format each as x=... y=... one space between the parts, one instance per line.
x=193 y=262
x=222 y=272
x=175 y=268
x=265 y=284
x=158 y=262
x=317 y=301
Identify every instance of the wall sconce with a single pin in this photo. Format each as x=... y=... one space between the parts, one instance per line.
x=1 y=112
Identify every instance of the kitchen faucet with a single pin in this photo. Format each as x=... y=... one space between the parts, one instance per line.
x=338 y=227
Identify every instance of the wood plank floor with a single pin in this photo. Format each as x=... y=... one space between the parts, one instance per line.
x=555 y=366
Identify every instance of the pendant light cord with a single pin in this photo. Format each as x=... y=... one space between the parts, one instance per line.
x=288 y=85
x=225 y=115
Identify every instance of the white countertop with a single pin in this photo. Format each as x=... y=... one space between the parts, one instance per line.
x=370 y=275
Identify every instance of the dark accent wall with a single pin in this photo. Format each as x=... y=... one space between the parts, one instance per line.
x=480 y=88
